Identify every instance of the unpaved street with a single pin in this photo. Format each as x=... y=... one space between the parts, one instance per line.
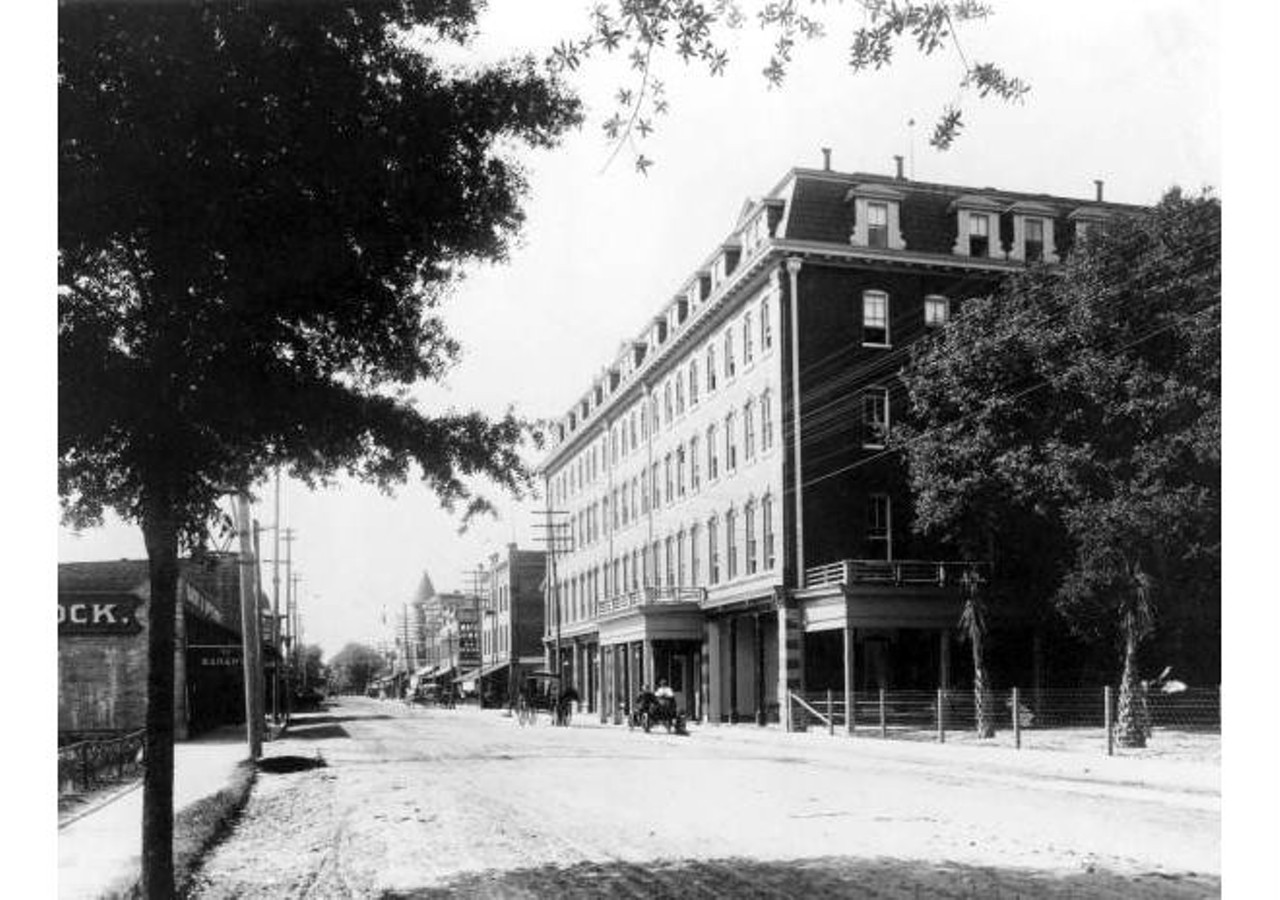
x=428 y=802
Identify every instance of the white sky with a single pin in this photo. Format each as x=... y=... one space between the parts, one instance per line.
x=1130 y=92
x=1127 y=92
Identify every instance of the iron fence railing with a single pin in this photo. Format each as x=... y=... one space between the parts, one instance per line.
x=647 y=596
x=888 y=571
x=1186 y=721
x=100 y=762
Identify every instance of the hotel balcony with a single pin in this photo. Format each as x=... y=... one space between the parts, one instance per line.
x=663 y=597
x=912 y=572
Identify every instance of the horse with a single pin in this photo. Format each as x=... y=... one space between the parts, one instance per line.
x=564 y=705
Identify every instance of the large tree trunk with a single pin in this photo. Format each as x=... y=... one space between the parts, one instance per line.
x=1133 y=717
x=160 y=532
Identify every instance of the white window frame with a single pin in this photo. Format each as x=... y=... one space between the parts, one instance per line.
x=873 y=534
x=868 y=297
x=766 y=420
x=880 y=396
x=935 y=301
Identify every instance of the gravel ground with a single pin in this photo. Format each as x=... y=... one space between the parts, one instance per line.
x=443 y=803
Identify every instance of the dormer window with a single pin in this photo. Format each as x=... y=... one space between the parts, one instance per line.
x=1033 y=232
x=878 y=225
x=1033 y=245
x=977 y=227
x=875 y=217
x=1089 y=220
x=979 y=235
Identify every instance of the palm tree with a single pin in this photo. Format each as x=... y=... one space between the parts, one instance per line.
x=1137 y=620
x=973 y=624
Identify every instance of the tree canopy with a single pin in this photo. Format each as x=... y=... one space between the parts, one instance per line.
x=1077 y=412
x=259 y=208
x=354 y=666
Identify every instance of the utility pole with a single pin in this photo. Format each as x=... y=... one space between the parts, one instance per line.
x=295 y=633
x=555 y=539
x=288 y=621
x=260 y=695
x=249 y=627
x=275 y=608
x=475 y=578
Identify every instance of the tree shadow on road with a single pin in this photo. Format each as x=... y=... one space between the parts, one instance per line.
x=844 y=876
x=308 y=732
x=323 y=718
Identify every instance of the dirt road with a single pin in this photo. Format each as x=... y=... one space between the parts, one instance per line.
x=436 y=803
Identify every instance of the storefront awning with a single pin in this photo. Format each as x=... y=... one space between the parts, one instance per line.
x=468 y=675
x=491 y=668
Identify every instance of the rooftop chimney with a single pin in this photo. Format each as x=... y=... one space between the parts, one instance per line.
x=826 y=159
x=897 y=160
x=1097 y=184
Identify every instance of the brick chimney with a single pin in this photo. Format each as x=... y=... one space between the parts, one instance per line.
x=1097 y=185
x=826 y=159
x=897 y=161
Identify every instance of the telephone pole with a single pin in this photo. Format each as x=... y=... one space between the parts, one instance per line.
x=288 y=621
x=556 y=538
x=275 y=608
x=476 y=577
x=249 y=628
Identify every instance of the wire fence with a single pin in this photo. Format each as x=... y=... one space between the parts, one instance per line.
x=1185 y=723
x=95 y=763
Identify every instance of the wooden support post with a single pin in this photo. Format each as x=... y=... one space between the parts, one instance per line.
x=849 y=671
x=942 y=724
x=884 y=729
x=1106 y=720
x=1017 y=721
x=831 y=716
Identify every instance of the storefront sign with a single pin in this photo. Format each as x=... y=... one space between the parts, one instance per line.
x=220 y=656
x=100 y=614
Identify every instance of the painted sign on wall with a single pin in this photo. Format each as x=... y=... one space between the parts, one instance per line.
x=98 y=614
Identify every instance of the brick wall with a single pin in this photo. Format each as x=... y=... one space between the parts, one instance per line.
x=102 y=680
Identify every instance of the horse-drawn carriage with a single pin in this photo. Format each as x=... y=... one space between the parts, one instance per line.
x=543 y=692
x=650 y=709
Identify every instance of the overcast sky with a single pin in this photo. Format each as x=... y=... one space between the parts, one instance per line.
x=1125 y=92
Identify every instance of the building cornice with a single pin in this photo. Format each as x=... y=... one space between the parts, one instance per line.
x=703 y=320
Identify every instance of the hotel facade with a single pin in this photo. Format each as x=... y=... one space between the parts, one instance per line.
x=727 y=516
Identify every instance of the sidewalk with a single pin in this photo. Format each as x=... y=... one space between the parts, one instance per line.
x=104 y=846
x=1200 y=780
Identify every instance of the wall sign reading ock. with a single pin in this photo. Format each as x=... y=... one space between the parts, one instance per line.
x=106 y=614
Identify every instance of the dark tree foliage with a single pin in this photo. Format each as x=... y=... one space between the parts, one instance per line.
x=260 y=205
x=1074 y=419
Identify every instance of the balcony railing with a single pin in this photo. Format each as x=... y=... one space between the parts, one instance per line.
x=889 y=571
x=648 y=596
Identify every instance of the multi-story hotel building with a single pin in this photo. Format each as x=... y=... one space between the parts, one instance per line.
x=731 y=521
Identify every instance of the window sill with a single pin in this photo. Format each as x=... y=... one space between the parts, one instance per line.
x=877 y=346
